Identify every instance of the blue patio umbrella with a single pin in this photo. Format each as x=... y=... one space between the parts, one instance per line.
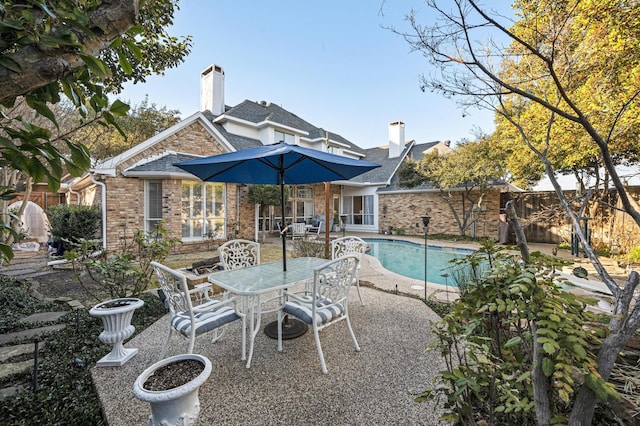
x=276 y=164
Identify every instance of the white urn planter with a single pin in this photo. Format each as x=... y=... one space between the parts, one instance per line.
x=116 y=317
x=177 y=405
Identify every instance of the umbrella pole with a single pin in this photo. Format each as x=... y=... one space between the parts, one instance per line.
x=291 y=328
x=327 y=206
x=284 y=234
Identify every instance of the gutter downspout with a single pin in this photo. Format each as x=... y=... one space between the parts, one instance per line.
x=103 y=193
x=77 y=194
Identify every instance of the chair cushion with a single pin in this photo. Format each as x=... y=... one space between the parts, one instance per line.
x=205 y=321
x=325 y=310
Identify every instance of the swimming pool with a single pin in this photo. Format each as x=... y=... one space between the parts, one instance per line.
x=407 y=258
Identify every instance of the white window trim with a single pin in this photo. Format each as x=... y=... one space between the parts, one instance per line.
x=205 y=214
x=147 y=204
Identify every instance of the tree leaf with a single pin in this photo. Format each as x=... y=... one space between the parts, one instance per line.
x=514 y=341
x=9 y=63
x=547 y=366
x=119 y=108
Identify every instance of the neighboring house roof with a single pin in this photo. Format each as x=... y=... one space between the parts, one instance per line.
x=162 y=167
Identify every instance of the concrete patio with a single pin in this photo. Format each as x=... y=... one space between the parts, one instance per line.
x=374 y=386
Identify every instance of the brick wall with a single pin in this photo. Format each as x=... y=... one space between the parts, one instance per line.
x=404 y=210
x=125 y=196
x=125 y=200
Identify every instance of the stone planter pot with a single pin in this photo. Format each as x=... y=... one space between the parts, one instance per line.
x=176 y=406
x=116 y=317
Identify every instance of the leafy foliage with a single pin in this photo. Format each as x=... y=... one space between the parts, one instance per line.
x=634 y=255
x=489 y=340
x=73 y=52
x=126 y=272
x=463 y=177
x=65 y=393
x=70 y=223
x=308 y=248
x=598 y=65
x=141 y=123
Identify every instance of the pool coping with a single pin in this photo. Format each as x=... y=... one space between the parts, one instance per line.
x=381 y=278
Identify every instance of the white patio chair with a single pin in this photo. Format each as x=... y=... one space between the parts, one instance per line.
x=326 y=304
x=350 y=245
x=239 y=253
x=192 y=321
x=298 y=230
x=314 y=232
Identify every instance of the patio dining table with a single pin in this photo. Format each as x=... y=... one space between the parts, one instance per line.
x=254 y=282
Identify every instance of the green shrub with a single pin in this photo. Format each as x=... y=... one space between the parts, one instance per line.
x=70 y=223
x=507 y=309
x=122 y=273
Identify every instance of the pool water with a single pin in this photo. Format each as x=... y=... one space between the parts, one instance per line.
x=407 y=258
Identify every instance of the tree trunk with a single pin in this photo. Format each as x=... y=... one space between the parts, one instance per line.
x=521 y=240
x=540 y=383
x=40 y=66
x=622 y=330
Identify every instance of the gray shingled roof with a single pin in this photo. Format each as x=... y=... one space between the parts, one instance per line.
x=415 y=153
x=163 y=164
x=259 y=112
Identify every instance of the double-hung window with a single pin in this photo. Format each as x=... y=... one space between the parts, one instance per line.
x=153 y=204
x=203 y=210
x=304 y=203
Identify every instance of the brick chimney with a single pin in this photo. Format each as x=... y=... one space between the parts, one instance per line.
x=396 y=139
x=212 y=89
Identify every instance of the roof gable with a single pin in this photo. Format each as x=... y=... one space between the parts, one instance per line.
x=108 y=166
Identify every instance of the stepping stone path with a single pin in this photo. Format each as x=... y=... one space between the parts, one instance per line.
x=24 y=266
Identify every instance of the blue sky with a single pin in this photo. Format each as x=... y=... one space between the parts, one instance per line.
x=329 y=62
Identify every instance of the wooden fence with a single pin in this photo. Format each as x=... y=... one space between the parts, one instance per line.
x=43 y=199
x=545 y=222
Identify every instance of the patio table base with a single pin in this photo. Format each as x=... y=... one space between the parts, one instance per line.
x=291 y=328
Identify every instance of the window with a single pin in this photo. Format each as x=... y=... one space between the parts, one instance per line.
x=300 y=206
x=282 y=136
x=359 y=209
x=203 y=210
x=304 y=203
x=153 y=204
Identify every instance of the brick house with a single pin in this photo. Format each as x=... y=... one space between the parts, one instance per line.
x=141 y=186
